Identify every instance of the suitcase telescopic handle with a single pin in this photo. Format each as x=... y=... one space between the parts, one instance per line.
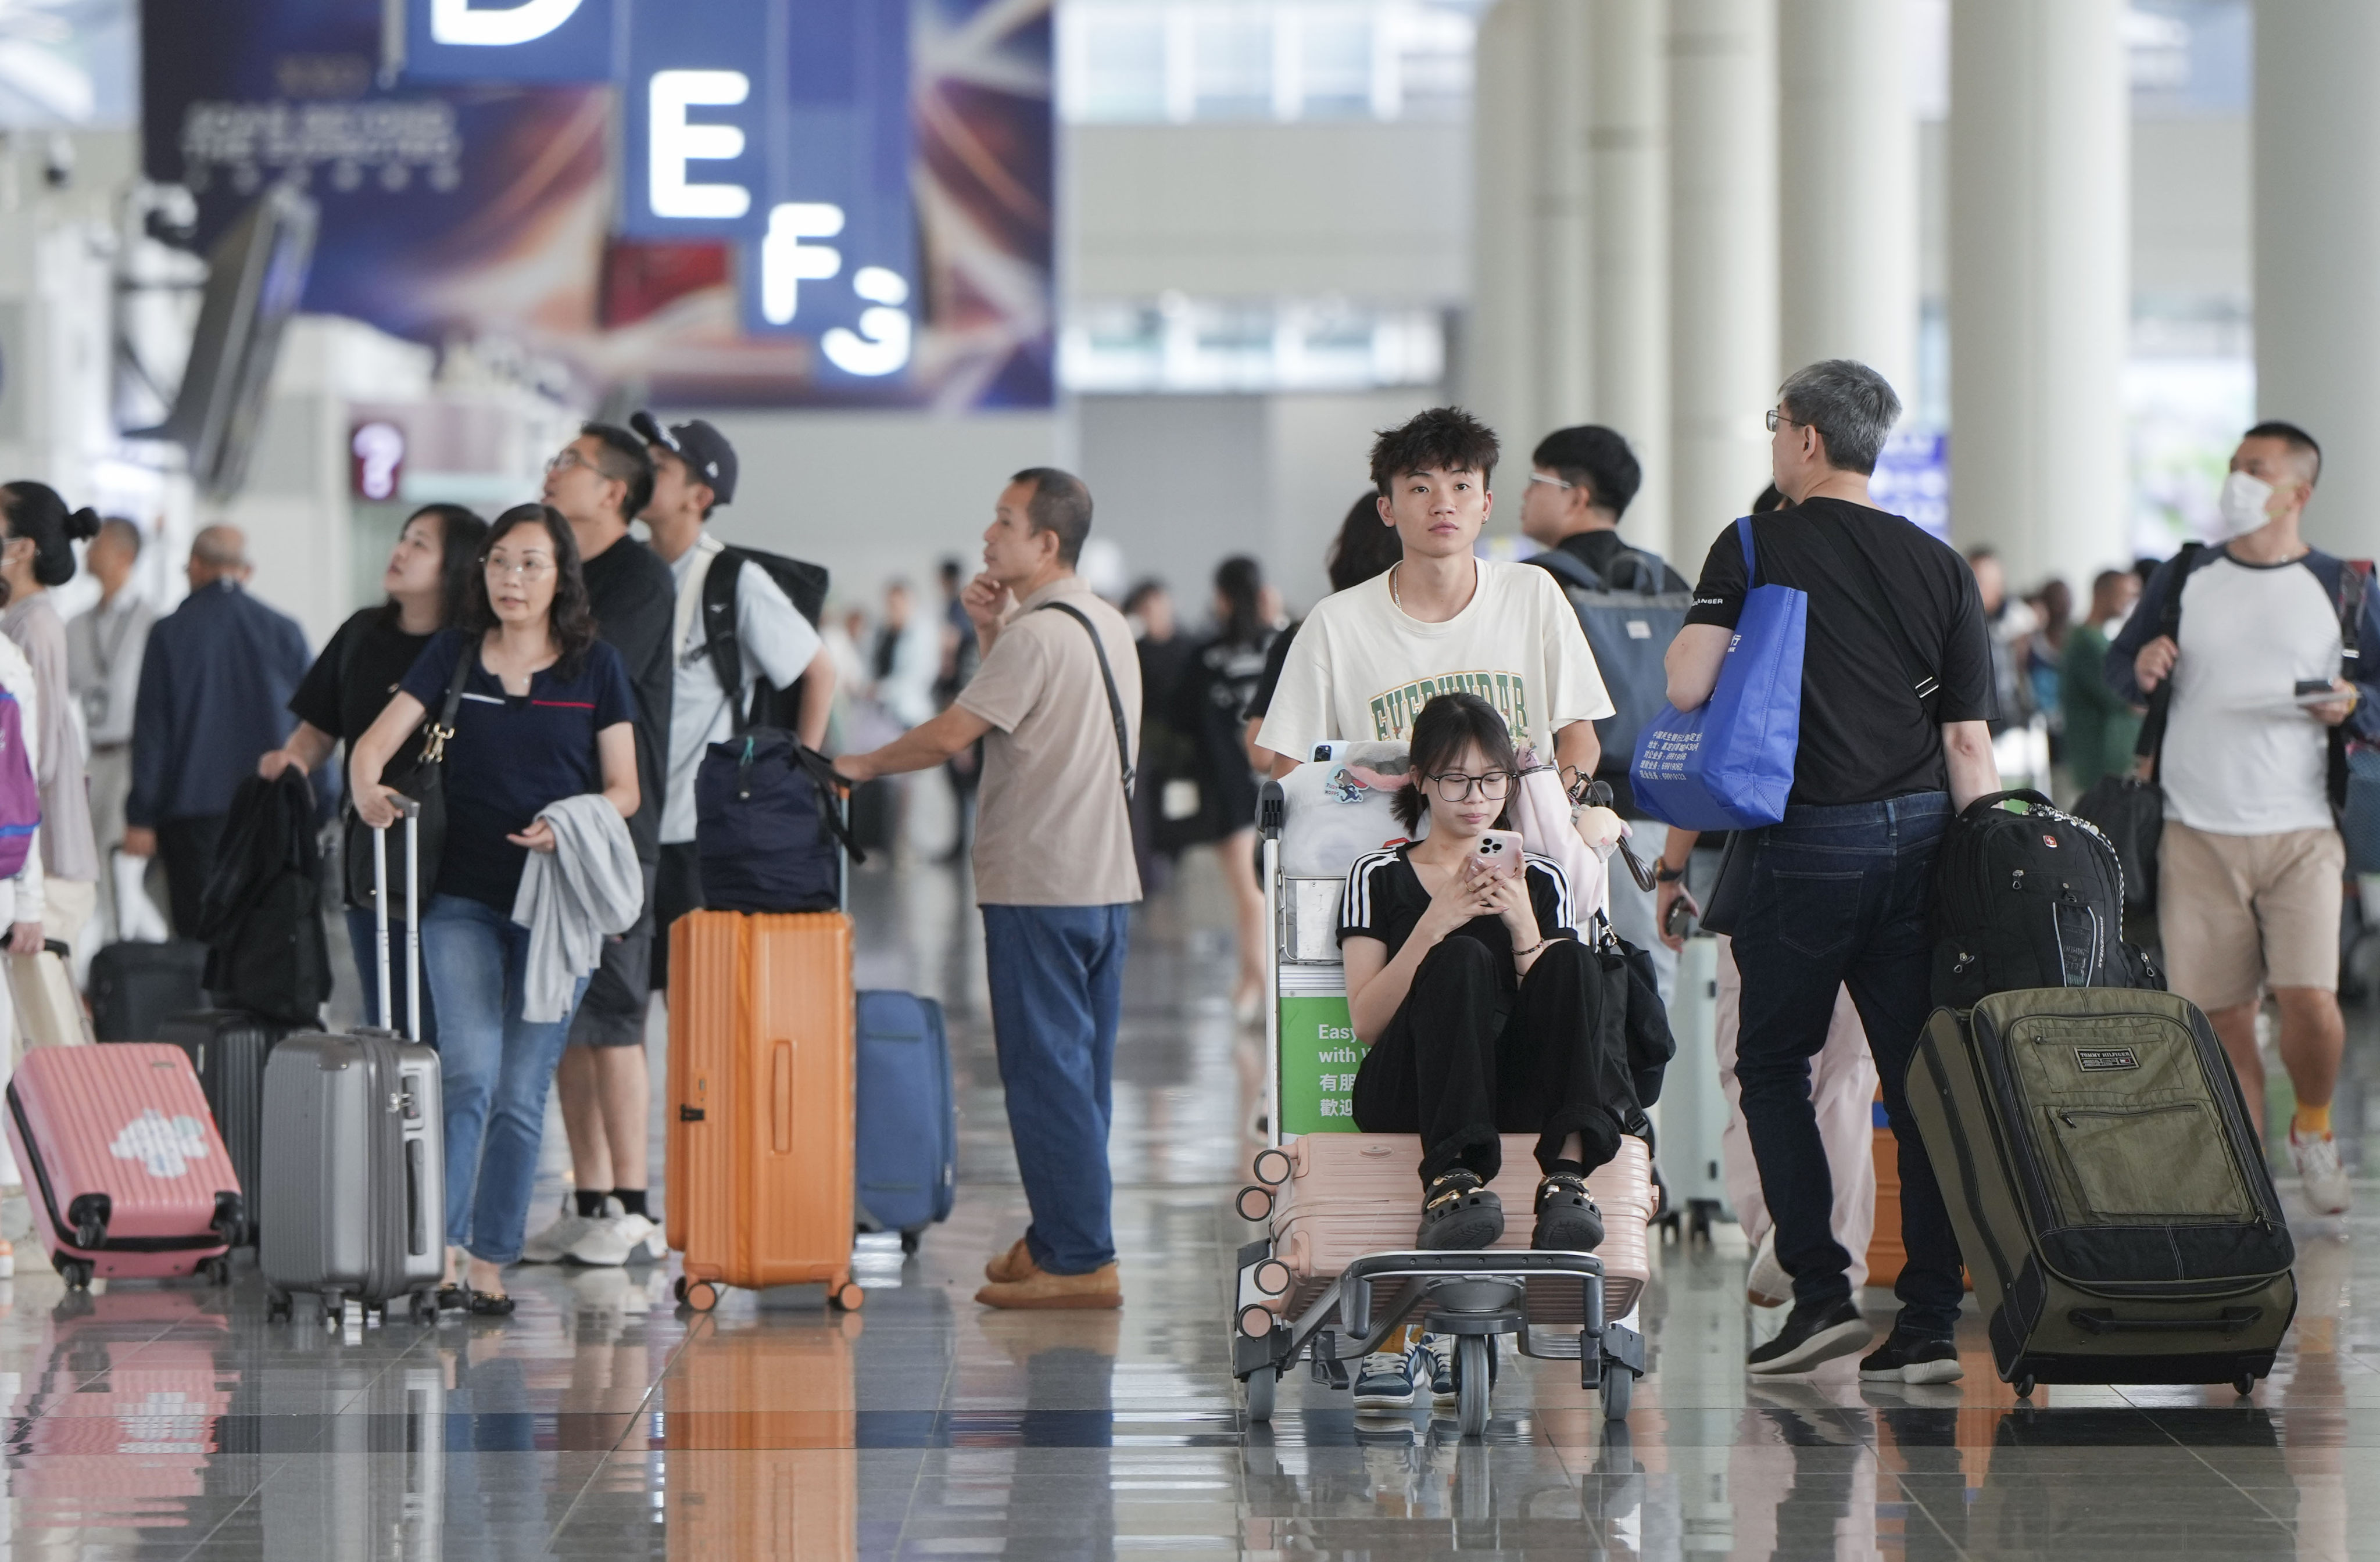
x=411 y=809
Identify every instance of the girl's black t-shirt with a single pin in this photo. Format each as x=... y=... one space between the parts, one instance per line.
x=1385 y=900
x=358 y=673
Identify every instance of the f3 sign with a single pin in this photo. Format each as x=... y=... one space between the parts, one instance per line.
x=782 y=126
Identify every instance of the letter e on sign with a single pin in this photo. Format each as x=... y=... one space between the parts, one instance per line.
x=672 y=141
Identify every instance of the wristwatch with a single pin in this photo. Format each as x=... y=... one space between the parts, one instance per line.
x=1664 y=874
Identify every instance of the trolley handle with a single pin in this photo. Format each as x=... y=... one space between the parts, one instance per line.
x=1272 y=809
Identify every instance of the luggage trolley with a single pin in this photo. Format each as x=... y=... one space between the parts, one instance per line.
x=1336 y=1272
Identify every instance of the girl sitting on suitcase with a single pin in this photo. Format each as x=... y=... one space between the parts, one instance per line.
x=1479 y=1009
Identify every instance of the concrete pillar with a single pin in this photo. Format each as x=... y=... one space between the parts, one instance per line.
x=1630 y=293
x=1497 y=357
x=1722 y=71
x=2040 y=283
x=2317 y=233
x=1847 y=187
x=1528 y=365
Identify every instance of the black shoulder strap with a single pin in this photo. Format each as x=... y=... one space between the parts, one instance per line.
x=719 y=631
x=1870 y=585
x=433 y=746
x=1107 y=675
x=2150 y=745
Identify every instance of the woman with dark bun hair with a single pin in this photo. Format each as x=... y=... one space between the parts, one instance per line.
x=432 y=573
x=37 y=552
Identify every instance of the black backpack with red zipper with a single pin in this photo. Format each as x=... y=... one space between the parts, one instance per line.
x=2029 y=897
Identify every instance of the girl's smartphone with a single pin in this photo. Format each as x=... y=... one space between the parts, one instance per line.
x=1499 y=851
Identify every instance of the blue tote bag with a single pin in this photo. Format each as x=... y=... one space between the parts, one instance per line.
x=1727 y=764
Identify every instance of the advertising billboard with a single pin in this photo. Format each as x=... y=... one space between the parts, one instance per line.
x=747 y=201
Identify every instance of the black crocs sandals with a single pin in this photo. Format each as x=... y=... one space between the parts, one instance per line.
x=1458 y=1214
x=1567 y=1218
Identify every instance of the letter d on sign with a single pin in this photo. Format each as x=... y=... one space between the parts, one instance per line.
x=459 y=21
x=673 y=142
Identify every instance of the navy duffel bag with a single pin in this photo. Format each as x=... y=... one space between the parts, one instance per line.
x=767 y=819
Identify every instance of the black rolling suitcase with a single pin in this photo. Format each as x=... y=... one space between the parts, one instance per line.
x=135 y=988
x=227 y=1048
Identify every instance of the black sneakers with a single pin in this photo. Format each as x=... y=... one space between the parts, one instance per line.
x=1458 y=1214
x=1809 y=1338
x=1905 y=1359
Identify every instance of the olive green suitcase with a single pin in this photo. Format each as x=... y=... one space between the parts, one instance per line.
x=2110 y=1199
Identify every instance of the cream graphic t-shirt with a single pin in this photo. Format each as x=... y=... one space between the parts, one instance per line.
x=1361 y=668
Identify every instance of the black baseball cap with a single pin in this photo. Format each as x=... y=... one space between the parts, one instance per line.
x=703 y=448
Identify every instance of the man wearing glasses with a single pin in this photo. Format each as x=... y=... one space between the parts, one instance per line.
x=1442 y=621
x=599 y=481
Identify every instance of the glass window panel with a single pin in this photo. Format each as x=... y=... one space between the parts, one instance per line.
x=1123 y=66
x=1231 y=69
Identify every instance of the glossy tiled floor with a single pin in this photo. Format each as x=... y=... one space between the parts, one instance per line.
x=599 y=1423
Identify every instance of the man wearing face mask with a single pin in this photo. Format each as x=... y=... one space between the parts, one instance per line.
x=2249 y=631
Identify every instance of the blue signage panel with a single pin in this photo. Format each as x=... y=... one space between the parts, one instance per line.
x=704 y=85
x=512 y=40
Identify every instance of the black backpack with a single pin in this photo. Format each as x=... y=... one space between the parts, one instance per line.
x=803 y=583
x=261 y=915
x=768 y=817
x=2028 y=900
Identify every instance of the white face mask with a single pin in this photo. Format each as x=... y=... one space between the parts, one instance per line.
x=2239 y=508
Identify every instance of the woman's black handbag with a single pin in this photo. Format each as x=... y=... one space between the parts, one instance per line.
x=421 y=775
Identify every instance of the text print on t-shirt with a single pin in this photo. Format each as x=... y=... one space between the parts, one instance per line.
x=1393 y=709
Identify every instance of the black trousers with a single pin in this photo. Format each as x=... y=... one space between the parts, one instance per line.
x=189 y=846
x=1466 y=1058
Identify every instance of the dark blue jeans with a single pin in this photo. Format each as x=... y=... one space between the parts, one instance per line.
x=1842 y=896
x=1057 y=992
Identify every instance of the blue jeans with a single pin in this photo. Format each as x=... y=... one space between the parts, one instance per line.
x=1842 y=896
x=1057 y=991
x=363 y=937
x=496 y=1068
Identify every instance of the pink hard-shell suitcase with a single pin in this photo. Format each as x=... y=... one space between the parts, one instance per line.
x=1352 y=1193
x=122 y=1164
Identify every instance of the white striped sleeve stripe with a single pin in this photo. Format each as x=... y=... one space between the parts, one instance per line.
x=1553 y=871
x=1355 y=906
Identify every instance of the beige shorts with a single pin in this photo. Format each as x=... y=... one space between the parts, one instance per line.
x=2239 y=913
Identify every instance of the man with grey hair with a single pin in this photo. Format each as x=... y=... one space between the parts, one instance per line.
x=1895 y=694
x=215 y=685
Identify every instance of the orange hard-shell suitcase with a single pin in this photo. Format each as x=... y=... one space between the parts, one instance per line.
x=761 y=1049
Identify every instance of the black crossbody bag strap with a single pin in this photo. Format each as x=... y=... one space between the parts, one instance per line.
x=2150 y=745
x=433 y=743
x=1870 y=587
x=1106 y=676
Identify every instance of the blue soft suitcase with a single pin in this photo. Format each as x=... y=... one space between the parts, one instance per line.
x=908 y=1122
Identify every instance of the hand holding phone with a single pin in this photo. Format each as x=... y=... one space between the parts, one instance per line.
x=1497 y=853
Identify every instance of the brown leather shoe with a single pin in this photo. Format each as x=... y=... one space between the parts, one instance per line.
x=1043 y=1289
x=1014 y=1265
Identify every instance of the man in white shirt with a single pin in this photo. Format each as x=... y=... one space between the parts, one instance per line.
x=694 y=473
x=2249 y=632
x=1441 y=620
x=104 y=648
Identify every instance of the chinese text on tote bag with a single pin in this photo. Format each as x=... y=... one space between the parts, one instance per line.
x=1727 y=764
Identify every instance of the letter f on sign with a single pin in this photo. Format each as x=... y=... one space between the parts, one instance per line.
x=787 y=262
x=459 y=21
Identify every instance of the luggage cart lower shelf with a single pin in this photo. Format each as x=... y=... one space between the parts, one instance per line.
x=1552 y=1303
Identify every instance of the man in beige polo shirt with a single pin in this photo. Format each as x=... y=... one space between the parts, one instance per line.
x=1057 y=704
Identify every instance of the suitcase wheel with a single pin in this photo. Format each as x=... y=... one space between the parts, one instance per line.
x=422 y=1307
x=76 y=1272
x=909 y=1240
x=702 y=1296
x=277 y=1306
x=848 y=1297
x=216 y=1271
x=2245 y=1384
x=2023 y=1386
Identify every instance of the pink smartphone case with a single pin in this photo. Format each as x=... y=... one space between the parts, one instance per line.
x=129 y=1122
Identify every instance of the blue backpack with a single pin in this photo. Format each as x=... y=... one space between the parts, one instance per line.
x=1630 y=622
x=1727 y=764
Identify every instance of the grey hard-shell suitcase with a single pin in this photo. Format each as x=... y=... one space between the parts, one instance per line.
x=352 y=1194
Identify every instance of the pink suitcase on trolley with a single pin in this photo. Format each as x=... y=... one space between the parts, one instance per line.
x=126 y=1170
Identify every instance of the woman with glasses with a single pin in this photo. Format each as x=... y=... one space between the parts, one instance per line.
x=1474 y=999
x=546 y=713
x=433 y=572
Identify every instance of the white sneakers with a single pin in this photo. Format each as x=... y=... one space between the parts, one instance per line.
x=1766 y=1284
x=2324 y=1179
x=603 y=1241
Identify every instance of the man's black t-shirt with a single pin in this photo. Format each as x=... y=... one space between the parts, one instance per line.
x=635 y=599
x=351 y=683
x=1864 y=735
